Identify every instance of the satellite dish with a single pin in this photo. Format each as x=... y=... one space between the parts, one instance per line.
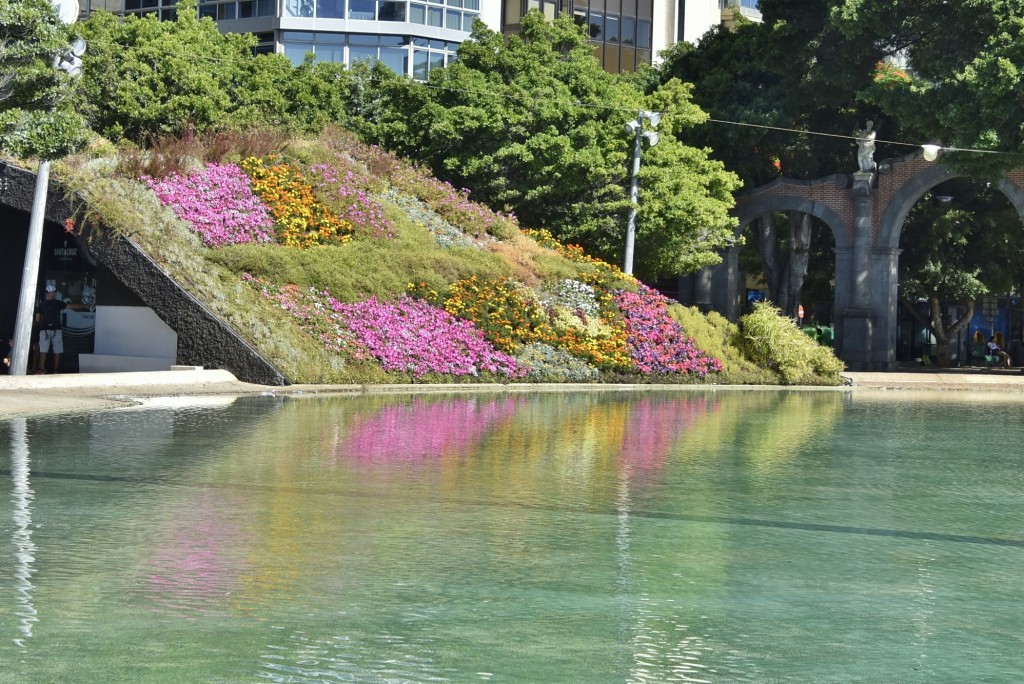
x=67 y=10
x=78 y=47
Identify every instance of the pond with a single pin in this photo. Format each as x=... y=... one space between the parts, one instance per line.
x=605 y=536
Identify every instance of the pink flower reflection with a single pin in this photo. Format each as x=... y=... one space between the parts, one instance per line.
x=426 y=430
x=654 y=426
x=195 y=567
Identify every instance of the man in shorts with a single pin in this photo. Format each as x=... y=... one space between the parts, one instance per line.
x=51 y=337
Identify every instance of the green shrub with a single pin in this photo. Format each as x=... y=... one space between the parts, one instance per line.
x=775 y=342
x=720 y=338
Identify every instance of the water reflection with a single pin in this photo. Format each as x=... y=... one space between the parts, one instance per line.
x=24 y=549
x=592 y=536
x=427 y=428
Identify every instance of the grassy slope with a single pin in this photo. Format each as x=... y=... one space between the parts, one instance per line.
x=366 y=266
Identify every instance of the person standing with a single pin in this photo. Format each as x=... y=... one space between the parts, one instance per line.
x=51 y=336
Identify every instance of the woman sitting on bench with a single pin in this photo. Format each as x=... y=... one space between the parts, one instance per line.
x=994 y=350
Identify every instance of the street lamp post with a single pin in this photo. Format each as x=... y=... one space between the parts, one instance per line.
x=69 y=61
x=636 y=129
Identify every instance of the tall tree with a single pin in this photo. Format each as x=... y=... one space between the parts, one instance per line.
x=533 y=125
x=955 y=252
x=147 y=78
x=774 y=79
x=966 y=85
x=36 y=119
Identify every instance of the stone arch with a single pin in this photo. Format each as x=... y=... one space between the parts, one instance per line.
x=865 y=212
x=890 y=222
x=913 y=188
x=749 y=209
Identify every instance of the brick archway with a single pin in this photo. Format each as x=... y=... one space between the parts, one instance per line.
x=865 y=212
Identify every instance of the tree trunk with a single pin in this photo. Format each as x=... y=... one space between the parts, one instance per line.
x=768 y=244
x=799 y=257
x=942 y=333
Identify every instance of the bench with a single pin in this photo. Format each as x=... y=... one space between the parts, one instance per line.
x=979 y=353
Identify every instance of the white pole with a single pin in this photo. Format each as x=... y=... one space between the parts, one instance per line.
x=634 y=195
x=30 y=274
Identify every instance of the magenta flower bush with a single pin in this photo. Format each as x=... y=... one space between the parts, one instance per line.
x=353 y=202
x=656 y=343
x=219 y=204
x=409 y=335
x=405 y=335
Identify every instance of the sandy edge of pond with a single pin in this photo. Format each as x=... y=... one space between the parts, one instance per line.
x=74 y=393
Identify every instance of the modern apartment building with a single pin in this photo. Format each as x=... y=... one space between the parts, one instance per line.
x=628 y=33
x=410 y=36
x=414 y=36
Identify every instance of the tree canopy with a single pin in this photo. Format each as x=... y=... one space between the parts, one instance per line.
x=148 y=78
x=533 y=125
x=36 y=119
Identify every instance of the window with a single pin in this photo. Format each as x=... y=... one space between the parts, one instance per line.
x=467 y=20
x=226 y=11
x=420 y=65
x=596 y=25
x=435 y=16
x=208 y=11
x=330 y=53
x=453 y=19
x=396 y=59
x=362 y=9
x=643 y=34
x=362 y=53
x=611 y=29
x=298 y=8
x=296 y=52
x=472 y=5
x=628 y=34
x=266 y=8
x=330 y=9
x=418 y=14
x=436 y=60
x=392 y=11
x=246 y=9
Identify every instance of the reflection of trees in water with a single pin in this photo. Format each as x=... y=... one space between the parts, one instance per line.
x=765 y=428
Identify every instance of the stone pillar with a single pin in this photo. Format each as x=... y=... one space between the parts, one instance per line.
x=885 y=302
x=859 y=315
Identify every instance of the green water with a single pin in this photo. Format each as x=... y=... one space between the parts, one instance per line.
x=730 y=536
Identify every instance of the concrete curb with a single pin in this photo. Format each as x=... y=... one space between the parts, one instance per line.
x=100 y=380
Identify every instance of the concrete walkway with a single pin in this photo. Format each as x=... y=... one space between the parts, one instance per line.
x=74 y=392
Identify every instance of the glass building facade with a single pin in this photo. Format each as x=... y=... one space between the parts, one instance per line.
x=412 y=37
x=619 y=30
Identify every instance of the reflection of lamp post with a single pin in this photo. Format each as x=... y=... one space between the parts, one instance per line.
x=636 y=129
x=68 y=61
x=21 y=536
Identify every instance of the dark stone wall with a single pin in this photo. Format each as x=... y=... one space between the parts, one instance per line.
x=203 y=339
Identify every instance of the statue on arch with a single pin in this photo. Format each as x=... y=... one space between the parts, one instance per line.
x=866 y=148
